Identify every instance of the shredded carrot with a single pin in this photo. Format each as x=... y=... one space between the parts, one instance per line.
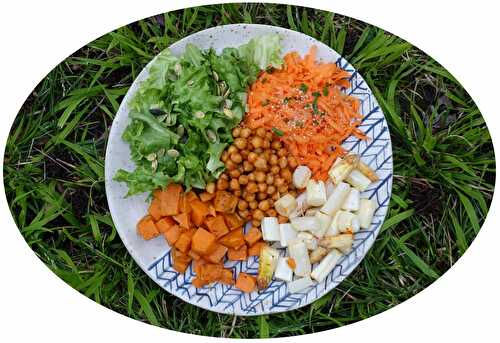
x=305 y=102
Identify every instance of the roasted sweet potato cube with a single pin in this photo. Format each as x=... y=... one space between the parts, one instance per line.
x=245 y=282
x=233 y=221
x=255 y=249
x=180 y=260
x=183 y=220
x=239 y=254
x=198 y=283
x=147 y=228
x=234 y=239
x=218 y=254
x=199 y=210
x=164 y=224
x=205 y=196
x=217 y=226
x=197 y=264
x=173 y=234
x=170 y=199
x=253 y=236
x=225 y=202
x=203 y=242
x=211 y=210
x=183 y=243
x=184 y=204
x=155 y=209
x=211 y=272
x=227 y=277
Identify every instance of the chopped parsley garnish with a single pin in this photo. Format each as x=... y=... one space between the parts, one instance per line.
x=315 y=122
x=315 y=102
x=278 y=132
x=286 y=100
x=316 y=94
x=325 y=91
x=303 y=87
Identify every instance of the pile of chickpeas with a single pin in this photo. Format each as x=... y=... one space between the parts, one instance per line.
x=258 y=171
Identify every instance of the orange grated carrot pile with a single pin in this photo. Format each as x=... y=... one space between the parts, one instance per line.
x=303 y=101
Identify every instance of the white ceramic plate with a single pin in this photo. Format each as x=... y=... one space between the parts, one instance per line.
x=153 y=256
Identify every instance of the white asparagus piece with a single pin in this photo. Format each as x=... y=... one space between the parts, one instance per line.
x=340 y=170
x=335 y=201
x=326 y=265
x=310 y=212
x=298 y=251
x=301 y=206
x=366 y=210
x=324 y=222
x=285 y=205
x=300 y=284
x=300 y=176
x=316 y=193
x=329 y=187
x=309 y=240
x=287 y=234
x=268 y=260
x=368 y=171
x=347 y=222
x=270 y=229
x=283 y=270
x=358 y=180
x=333 y=229
x=342 y=241
x=317 y=254
x=310 y=224
x=351 y=203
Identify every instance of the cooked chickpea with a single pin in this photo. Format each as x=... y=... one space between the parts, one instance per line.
x=242 y=204
x=234 y=184
x=275 y=170
x=230 y=165
x=283 y=162
x=244 y=154
x=253 y=204
x=222 y=184
x=269 y=135
x=270 y=190
x=240 y=143
x=236 y=157
x=261 y=163
x=276 y=145
x=252 y=187
x=282 y=219
x=251 y=177
x=258 y=151
x=260 y=176
x=261 y=132
x=232 y=149
x=224 y=156
x=273 y=160
x=283 y=189
x=279 y=181
x=237 y=192
x=292 y=162
x=271 y=212
x=286 y=174
x=244 y=213
x=236 y=132
x=282 y=152
x=245 y=132
x=256 y=223
x=264 y=205
x=249 y=197
x=247 y=166
x=258 y=214
x=257 y=142
x=210 y=187
x=269 y=179
x=261 y=196
x=235 y=173
x=252 y=157
x=266 y=144
x=243 y=179
x=262 y=187
x=275 y=196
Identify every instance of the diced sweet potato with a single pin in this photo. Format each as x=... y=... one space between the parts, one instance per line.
x=245 y=282
x=234 y=239
x=191 y=196
x=227 y=277
x=211 y=210
x=147 y=228
x=164 y=224
x=195 y=256
x=183 y=243
x=203 y=242
x=217 y=226
x=198 y=283
x=205 y=196
x=197 y=264
x=183 y=220
x=184 y=206
x=155 y=209
x=253 y=236
x=211 y=272
x=239 y=254
x=225 y=202
x=218 y=254
x=172 y=235
x=199 y=210
x=255 y=249
x=170 y=199
x=180 y=260
x=233 y=221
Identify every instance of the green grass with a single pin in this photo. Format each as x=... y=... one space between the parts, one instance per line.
x=443 y=163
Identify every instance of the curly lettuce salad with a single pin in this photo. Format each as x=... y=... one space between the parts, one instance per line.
x=183 y=113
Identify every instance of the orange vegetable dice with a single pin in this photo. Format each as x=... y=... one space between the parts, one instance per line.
x=233 y=239
x=245 y=282
x=147 y=228
x=218 y=254
x=197 y=264
x=211 y=210
x=170 y=199
x=155 y=209
x=198 y=283
x=233 y=221
x=239 y=254
x=217 y=226
x=183 y=220
x=225 y=202
x=199 y=210
x=183 y=243
x=191 y=196
x=203 y=242
x=255 y=249
x=172 y=235
x=164 y=224
x=211 y=272
x=195 y=256
x=205 y=196
x=184 y=206
x=253 y=236
x=180 y=260
x=227 y=277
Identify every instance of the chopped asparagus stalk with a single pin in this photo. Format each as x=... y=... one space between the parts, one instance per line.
x=308 y=239
x=270 y=229
x=300 y=284
x=310 y=224
x=326 y=265
x=335 y=201
x=367 y=171
x=287 y=234
x=317 y=254
x=366 y=210
x=342 y=241
x=358 y=180
x=351 y=203
x=347 y=222
x=324 y=222
x=329 y=187
x=300 y=176
x=301 y=206
x=283 y=270
x=343 y=168
x=298 y=251
x=316 y=193
x=285 y=205
x=268 y=260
